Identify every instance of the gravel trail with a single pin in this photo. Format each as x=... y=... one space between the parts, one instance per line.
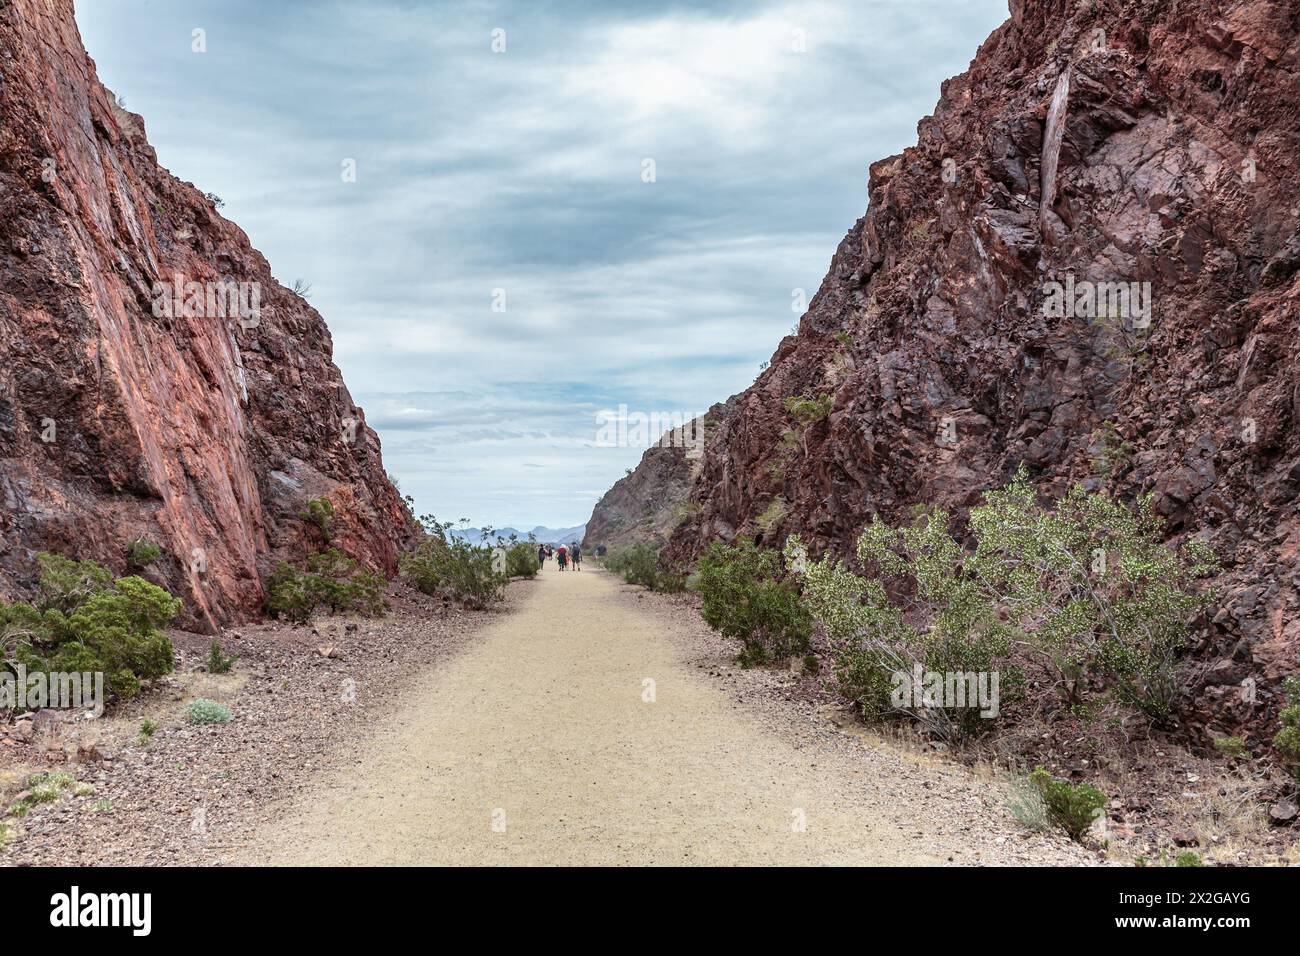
x=577 y=730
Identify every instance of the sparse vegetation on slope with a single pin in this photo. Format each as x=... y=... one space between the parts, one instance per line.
x=85 y=621
x=449 y=565
x=331 y=581
x=1086 y=591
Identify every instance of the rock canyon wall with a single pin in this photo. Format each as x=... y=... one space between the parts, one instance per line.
x=1086 y=264
x=202 y=418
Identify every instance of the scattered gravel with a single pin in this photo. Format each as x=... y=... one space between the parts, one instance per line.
x=299 y=695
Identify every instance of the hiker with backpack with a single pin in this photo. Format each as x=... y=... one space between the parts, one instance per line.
x=562 y=556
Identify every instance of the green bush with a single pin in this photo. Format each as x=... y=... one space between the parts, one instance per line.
x=1072 y=807
x=447 y=564
x=141 y=553
x=1287 y=740
x=320 y=513
x=287 y=593
x=331 y=581
x=670 y=582
x=218 y=663
x=204 y=711
x=1234 y=748
x=743 y=599
x=1025 y=802
x=521 y=559
x=1087 y=588
x=947 y=626
x=148 y=728
x=808 y=412
x=87 y=622
x=1099 y=597
x=43 y=787
x=66 y=584
x=639 y=565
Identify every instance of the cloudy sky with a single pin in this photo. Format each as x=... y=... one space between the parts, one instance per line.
x=518 y=179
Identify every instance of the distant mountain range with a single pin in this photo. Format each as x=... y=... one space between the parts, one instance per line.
x=541 y=533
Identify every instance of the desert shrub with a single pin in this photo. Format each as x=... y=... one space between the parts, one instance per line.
x=332 y=581
x=319 y=513
x=1098 y=596
x=639 y=564
x=1026 y=804
x=43 y=787
x=1233 y=748
x=287 y=594
x=1188 y=858
x=1287 y=740
x=772 y=516
x=66 y=584
x=875 y=649
x=89 y=622
x=520 y=559
x=670 y=582
x=141 y=553
x=203 y=711
x=218 y=663
x=1088 y=588
x=335 y=582
x=1072 y=807
x=147 y=729
x=447 y=564
x=807 y=412
x=744 y=599
x=616 y=562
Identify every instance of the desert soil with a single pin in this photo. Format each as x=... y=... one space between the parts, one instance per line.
x=586 y=727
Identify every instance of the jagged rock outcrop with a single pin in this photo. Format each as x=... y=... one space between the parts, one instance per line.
x=129 y=408
x=1124 y=142
x=644 y=506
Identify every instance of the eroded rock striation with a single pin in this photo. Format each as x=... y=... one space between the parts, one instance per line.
x=156 y=381
x=1087 y=264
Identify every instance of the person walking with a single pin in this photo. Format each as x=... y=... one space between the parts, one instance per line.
x=561 y=556
x=541 y=556
x=577 y=558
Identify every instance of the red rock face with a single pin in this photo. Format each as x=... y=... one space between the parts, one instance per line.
x=1104 y=142
x=204 y=429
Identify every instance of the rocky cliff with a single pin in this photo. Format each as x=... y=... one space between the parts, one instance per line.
x=1087 y=264
x=645 y=505
x=654 y=498
x=156 y=380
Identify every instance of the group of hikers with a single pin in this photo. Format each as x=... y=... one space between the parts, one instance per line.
x=563 y=556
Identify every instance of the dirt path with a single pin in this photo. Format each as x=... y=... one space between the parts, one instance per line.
x=544 y=743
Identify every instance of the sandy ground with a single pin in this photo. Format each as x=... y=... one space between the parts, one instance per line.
x=578 y=731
